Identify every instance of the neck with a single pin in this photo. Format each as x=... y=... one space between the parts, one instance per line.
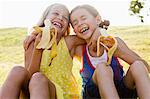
x=93 y=39
x=59 y=37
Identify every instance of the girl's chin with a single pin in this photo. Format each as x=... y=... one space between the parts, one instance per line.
x=86 y=36
x=85 y=33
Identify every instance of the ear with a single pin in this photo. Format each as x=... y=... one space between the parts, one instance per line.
x=98 y=19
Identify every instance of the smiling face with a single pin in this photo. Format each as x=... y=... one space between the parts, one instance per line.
x=59 y=17
x=83 y=23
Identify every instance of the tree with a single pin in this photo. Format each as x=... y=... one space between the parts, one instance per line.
x=135 y=8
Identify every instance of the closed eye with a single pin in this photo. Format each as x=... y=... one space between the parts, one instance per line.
x=83 y=17
x=74 y=22
x=55 y=13
x=66 y=18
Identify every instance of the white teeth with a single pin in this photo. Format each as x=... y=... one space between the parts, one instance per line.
x=57 y=24
x=84 y=29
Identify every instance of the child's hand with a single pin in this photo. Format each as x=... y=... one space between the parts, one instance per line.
x=107 y=41
x=37 y=39
x=28 y=41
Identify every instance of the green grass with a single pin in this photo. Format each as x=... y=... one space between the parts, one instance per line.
x=11 y=49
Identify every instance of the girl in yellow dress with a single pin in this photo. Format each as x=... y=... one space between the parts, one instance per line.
x=50 y=80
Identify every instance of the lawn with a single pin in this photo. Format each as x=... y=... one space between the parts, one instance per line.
x=11 y=49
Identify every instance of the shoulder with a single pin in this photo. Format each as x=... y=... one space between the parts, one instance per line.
x=73 y=41
x=121 y=44
x=79 y=50
x=118 y=39
x=70 y=40
x=125 y=53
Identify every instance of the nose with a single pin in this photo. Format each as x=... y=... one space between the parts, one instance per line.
x=60 y=17
x=80 y=23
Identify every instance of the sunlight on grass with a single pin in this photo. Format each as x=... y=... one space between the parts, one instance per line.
x=11 y=49
x=4 y=69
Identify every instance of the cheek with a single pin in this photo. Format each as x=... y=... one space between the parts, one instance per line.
x=49 y=16
x=93 y=27
x=75 y=30
x=65 y=27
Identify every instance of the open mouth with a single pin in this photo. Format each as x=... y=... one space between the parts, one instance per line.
x=84 y=29
x=57 y=24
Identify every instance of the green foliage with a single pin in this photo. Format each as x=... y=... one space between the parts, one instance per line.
x=135 y=8
x=139 y=8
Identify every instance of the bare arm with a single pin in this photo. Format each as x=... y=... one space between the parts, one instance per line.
x=28 y=54
x=127 y=54
x=78 y=41
x=34 y=66
x=35 y=61
x=30 y=38
x=72 y=42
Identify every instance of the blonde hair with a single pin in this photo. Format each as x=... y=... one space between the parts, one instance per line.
x=45 y=13
x=94 y=12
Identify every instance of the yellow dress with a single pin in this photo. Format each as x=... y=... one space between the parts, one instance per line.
x=60 y=71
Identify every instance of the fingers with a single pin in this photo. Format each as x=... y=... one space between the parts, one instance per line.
x=38 y=39
x=28 y=41
x=25 y=43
